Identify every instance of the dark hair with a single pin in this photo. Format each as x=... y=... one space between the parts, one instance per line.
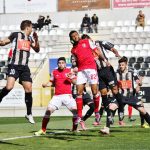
x=85 y=36
x=25 y=23
x=123 y=59
x=61 y=58
x=71 y=32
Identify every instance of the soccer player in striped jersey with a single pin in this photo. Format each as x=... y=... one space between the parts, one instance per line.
x=107 y=78
x=22 y=42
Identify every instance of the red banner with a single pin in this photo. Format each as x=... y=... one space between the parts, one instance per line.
x=131 y=3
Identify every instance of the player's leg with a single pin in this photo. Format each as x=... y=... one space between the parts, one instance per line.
x=89 y=112
x=144 y=113
x=81 y=80
x=12 y=76
x=130 y=113
x=54 y=104
x=28 y=100
x=70 y=103
x=26 y=81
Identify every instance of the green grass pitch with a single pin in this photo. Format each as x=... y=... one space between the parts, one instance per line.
x=17 y=134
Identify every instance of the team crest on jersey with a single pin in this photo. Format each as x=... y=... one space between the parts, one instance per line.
x=84 y=45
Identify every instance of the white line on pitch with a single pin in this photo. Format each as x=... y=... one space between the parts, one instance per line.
x=31 y=136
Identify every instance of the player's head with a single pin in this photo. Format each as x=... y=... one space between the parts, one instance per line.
x=61 y=62
x=123 y=62
x=26 y=26
x=85 y=36
x=74 y=37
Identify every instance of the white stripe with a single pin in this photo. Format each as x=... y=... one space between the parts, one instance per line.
x=31 y=136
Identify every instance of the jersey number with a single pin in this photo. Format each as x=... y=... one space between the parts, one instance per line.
x=12 y=72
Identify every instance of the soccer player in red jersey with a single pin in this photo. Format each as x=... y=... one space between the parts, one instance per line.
x=83 y=52
x=61 y=78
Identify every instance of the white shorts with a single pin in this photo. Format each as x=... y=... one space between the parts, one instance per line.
x=87 y=75
x=64 y=99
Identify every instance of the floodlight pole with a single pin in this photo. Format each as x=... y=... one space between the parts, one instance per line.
x=4 y=7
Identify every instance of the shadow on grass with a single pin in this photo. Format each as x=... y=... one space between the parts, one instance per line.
x=8 y=143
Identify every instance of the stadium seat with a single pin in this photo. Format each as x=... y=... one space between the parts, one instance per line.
x=2 y=34
x=128 y=53
x=139 y=29
x=37 y=56
x=130 y=47
x=132 y=60
x=143 y=53
x=119 y=23
x=117 y=30
x=138 y=47
x=130 y=65
x=111 y=24
x=1 y=76
x=12 y=28
x=123 y=47
x=142 y=73
x=147 y=29
x=137 y=66
x=133 y=23
x=146 y=46
x=145 y=66
x=103 y=24
x=124 y=29
x=2 y=63
x=131 y=29
x=53 y=32
x=148 y=22
x=44 y=32
x=72 y=25
x=63 y=26
x=7 y=33
x=135 y=53
x=4 y=28
x=127 y=23
x=140 y=60
x=5 y=57
x=59 y=32
x=3 y=51
x=4 y=70
x=148 y=73
x=147 y=59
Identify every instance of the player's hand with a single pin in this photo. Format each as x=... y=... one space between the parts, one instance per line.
x=108 y=63
x=137 y=89
x=69 y=75
x=35 y=36
x=44 y=85
x=75 y=70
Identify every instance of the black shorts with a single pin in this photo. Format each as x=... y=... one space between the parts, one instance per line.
x=132 y=101
x=19 y=71
x=107 y=77
x=86 y=98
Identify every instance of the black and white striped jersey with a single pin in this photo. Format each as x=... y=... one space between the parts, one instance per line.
x=126 y=81
x=105 y=47
x=21 y=45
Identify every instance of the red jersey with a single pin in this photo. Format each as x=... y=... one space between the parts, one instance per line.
x=84 y=55
x=61 y=82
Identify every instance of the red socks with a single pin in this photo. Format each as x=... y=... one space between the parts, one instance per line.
x=44 y=123
x=96 y=102
x=79 y=102
x=129 y=110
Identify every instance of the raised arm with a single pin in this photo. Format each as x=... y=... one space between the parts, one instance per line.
x=35 y=45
